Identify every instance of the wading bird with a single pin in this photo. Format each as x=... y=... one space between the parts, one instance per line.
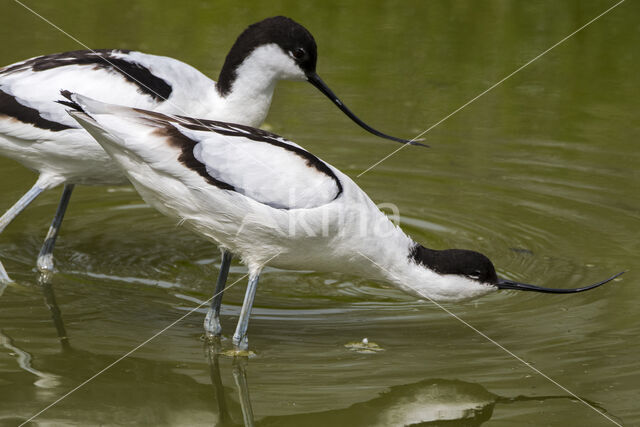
x=37 y=132
x=247 y=190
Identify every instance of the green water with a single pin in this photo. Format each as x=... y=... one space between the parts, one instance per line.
x=541 y=174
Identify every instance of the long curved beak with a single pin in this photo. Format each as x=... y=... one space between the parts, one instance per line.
x=510 y=284
x=315 y=80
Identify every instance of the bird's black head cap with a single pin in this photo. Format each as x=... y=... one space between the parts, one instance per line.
x=461 y=262
x=292 y=37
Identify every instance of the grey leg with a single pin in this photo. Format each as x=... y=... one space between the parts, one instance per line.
x=240 y=339
x=13 y=212
x=19 y=206
x=45 y=258
x=212 y=320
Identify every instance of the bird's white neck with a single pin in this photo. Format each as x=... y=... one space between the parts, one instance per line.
x=244 y=93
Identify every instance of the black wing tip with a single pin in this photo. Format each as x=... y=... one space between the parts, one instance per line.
x=70 y=102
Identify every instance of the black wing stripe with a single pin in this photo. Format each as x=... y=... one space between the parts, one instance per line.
x=186 y=144
x=147 y=82
x=9 y=106
x=260 y=135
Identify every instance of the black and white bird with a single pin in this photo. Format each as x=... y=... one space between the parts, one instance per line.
x=269 y=201
x=37 y=132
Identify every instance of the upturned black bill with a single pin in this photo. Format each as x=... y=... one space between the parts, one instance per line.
x=510 y=284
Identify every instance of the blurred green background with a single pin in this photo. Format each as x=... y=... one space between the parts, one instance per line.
x=541 y=174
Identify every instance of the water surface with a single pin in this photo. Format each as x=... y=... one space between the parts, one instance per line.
x=541 y=174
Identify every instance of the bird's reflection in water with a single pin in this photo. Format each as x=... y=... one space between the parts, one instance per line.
x=212 y=351
x=45 y=382
x=431 y=402
x=45 y=281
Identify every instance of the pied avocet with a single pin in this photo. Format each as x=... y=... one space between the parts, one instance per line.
x=269 y=201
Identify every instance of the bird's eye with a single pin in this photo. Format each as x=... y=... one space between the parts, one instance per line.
x=298 y=53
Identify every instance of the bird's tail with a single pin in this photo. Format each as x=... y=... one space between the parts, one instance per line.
x=69 y=102
x=109 y=124
x=121 y=131
x=91 y=106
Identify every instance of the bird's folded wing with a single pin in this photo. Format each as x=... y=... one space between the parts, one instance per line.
x=259 y=165
x=229 y=157
x=29 y=89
